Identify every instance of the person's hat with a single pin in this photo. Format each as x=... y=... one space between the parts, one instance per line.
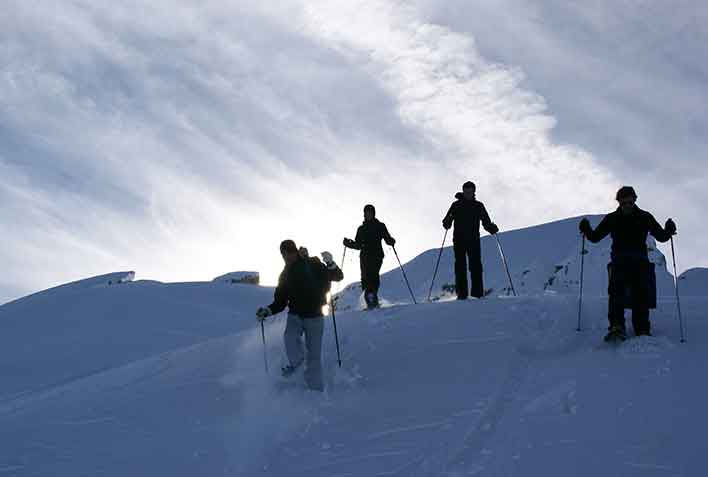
x=626 y=192
x=288 y=246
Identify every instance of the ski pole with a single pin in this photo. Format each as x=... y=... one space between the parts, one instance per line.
x=404 y=274
x=435 y=273
x=582 y=270
x=332 y=306
x=506 y=265
x=678 y=300
x=333 y=300
x=336 y=336
x=344 y=255
x=265 y=355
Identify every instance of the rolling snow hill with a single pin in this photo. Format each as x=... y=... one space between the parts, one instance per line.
x=145 y=378
x=694 y=282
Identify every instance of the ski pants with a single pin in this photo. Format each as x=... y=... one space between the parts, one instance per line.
x=628 y=288
x=311 y=353
x=370 y=268
x=468 y=250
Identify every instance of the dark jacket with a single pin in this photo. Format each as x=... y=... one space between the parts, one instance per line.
x=303 y=287
x=467 y=216
x=629 y=233
x=369 y=236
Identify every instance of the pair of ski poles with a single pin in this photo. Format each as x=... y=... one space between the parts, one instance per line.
x=583 y=252
x=501 y=253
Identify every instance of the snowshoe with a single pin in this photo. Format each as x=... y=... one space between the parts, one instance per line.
x=288 y=370
x=617 y=334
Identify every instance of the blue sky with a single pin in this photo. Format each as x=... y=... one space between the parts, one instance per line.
x=185 y=141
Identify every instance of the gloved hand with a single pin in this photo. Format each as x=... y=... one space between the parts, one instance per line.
x=263 y=313
x=328 y=260
x=348 y=242
x=447 y=223
x=391 y=242
x=670 y=227
x=493 y=229
x=585 y=227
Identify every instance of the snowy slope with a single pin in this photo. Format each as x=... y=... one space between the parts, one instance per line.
x=148 y=378
x=542 y=259
x=501 y=387
x=694 y=282
x=86 y=327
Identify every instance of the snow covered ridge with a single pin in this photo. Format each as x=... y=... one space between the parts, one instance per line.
x=694 y=282
x=251 y=278
x=152 y=378
x=116 y=278
x=168 y=380
x=543 y=259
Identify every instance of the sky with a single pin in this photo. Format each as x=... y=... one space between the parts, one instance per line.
x=186 y=140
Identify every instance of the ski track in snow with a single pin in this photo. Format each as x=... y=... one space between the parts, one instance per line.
x=544 y=338
x=484 y=387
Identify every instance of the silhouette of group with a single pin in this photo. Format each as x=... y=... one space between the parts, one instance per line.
x=305 y=281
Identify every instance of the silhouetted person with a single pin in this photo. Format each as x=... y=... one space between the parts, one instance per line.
x=467 y=213
x=631 y=273
x=368 y=240
x=302 y=287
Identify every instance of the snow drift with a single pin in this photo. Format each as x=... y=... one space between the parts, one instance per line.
x=148 y=378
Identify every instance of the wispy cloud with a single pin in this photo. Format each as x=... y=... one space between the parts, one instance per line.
x=184 y=141
x=625 y=82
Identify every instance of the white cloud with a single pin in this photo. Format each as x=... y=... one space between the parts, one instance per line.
x=185 y=140
x=624 y=80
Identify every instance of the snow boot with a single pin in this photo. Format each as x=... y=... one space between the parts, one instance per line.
x=616 y=334
x=372 y=301
x=289 y=370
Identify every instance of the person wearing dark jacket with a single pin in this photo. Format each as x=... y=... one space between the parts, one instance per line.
x=368 y=240
x=302 y=288
x=630 y=270
x=467 y=213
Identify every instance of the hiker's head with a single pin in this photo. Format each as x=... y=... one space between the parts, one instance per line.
x=369 y=212
x=289 y=252
x=626 y=197
x=468 y=190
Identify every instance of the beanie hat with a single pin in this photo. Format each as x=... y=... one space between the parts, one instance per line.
x=625 y=192
x=288 y=246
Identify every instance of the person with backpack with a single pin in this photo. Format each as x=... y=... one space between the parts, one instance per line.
x=632 y=280
x=467 y=213
x=368 y=240
x=302 y=288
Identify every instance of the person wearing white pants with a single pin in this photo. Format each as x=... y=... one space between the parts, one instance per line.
x=311 y=352
x=302 y=288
